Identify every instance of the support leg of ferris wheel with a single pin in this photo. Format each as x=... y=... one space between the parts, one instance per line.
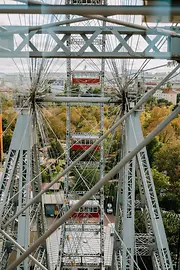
x=16 y=175
x=161 y=254
x=159 y=250
x=21 y=165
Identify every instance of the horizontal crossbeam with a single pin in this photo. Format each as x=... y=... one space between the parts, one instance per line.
x=92 y=10
x=70 y=30
x=87 y=100
x=86 y=42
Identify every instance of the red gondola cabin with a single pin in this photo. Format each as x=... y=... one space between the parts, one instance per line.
x=89 y=209
x=83 y=141
x=85 y=77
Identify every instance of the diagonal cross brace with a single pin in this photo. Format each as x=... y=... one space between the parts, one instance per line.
x=60 y=42
x=152 y=43
x=26 y=41
x=123 y=42
x=90 y=41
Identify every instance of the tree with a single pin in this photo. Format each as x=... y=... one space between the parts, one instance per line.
x=178 y=97
x=75 y=88
x=4 y=123
x=151 y=102
x=169 y=84
x=154 y=117
x=85 y=178
x=163 y=101
x=7 y=140
x=55 y=149
x=161 y=182
x=152 y=148
x=168 y=160
x=96 y=90
x=172 y=225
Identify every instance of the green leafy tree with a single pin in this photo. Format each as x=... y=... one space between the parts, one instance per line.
x=168 y=160
x=152 y=148
x=150 y=103
x=172 y=225
x=4 y=123
x=163 y=101
x=75 y=88
x=7 y=137
x=169 y=84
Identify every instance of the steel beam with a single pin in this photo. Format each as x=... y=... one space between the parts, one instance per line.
x=85 y=100
x=128 y=209
x=22 y=249
x=109 y=10
x=93 y=55
x=106 y=30
x=150 y=195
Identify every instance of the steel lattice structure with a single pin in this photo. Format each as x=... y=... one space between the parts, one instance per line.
x=21 y=209
x=88 y=38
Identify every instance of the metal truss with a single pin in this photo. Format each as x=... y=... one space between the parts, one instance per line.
x=15 y=178
x=127 y=230
x=21 y=165
x=152 y=207
x=88 y=39
x=153 y=242
x=69 y=254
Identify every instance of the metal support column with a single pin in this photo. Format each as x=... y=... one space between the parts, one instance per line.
x=14 y=184
x=102 y=150
x=67 y=151
x=128 y=234
x=151 y=198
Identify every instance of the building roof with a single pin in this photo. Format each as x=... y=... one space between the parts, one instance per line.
x=169 y=91
x=54 y=198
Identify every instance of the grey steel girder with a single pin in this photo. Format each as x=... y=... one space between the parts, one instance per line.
x=15 y=178
x=91 y=10
x=163 y=253
x=153 y=242
x=128 y=231
x=89 y=41
x=21 y=165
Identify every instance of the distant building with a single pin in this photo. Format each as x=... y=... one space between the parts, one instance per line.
x=167 y=94
x=176 y=86
x=56 y=86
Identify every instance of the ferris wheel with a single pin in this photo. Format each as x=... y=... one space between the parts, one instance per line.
x=75 y=224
